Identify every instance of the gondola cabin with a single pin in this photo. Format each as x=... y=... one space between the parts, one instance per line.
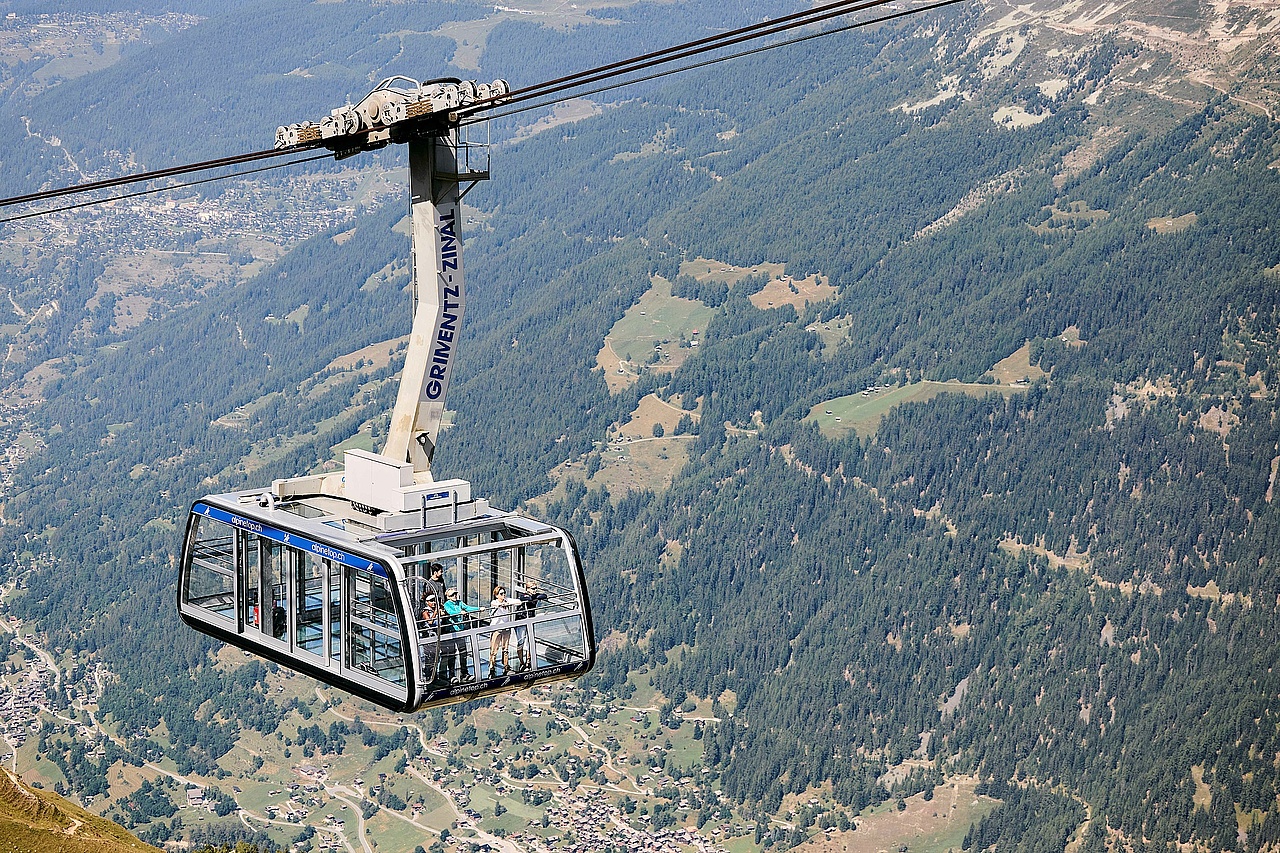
x=332 y=575
x=313 y=584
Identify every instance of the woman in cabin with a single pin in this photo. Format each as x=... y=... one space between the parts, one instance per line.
x=503 y=608
x=455 y=646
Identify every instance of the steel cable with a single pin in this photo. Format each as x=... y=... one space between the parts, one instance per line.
x=538 y=93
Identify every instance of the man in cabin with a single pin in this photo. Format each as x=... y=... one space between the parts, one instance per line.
x=529 y=599
x=435 y=582
x=279 y=620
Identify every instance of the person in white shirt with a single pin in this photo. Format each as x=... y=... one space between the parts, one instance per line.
x=502 y=608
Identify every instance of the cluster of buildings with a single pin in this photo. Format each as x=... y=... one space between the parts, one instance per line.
x=16 y=438
x=21 y=695
x=178 y=224
x=588 y=821
x=303 y=798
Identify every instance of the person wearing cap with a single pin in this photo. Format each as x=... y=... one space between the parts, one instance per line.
x=528 y=599
x=429 y=627
x=455 y=621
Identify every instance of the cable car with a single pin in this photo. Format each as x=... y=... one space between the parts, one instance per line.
x=312 y=584
x=380 y=579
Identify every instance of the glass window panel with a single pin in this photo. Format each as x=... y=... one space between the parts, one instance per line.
x=483 y=643
x=276 y=562
x=372 y=628
x=376 y=653
x=457 y=658
x=549 y=565
x=251 y=568
x=335 y=611
x=502 y=570
x=211 y=582
x=308 y=618
x=558 y=641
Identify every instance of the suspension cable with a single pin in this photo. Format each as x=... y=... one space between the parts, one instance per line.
x=171 y=171
x=666 y=53
x=137 y=193
x=706 y=62
x=539 y=93
x=696 y=48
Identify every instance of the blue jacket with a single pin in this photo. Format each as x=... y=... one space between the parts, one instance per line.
x=456 y=611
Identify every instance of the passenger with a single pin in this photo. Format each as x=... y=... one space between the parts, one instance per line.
x=434 y=585
x=528 y=604
x=430 y=616
x=429 y=631
x=502 y=608
x=278 y=620
x=455 y=621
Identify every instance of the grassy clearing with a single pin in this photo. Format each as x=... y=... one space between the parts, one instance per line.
x=652 y=410
x=796 y=292
x=648 y=463
x=572 y=110
x=933 y=826
x=705 y=269
x=1016 y=366
x=1076 y=214
x=1172 y=224
x=863 y=411
x=470 y=37
x=833 y=333
x=636 y=464
x=373 y=357
x=392 y=833
x=651 y=335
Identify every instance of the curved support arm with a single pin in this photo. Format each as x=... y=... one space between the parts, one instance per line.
x=438 y=300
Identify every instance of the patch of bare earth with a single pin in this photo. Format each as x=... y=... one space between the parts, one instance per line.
x=652 y=410
x=573 y=110
x=31 y=388
x=619 y=374
x=1219 y=421
x=373 y=357
x=1075 y=161
x=935 y=824
x=1073 y=559
x=1172 y=224
x=470 y=37
x=643 y=463
x=796 y=292
x=135 y=280
x=1016 y=367
x=973 y=200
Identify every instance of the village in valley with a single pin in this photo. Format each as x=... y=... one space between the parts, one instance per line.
x=540 y=770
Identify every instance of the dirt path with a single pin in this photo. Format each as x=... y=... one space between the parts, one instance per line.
x=337 y=793
x=491 y=840
x=245 y=815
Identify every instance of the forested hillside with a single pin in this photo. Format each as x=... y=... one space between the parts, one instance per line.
x=1063 y=588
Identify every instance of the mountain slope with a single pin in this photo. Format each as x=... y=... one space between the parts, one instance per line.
x=33 y=821
x=1065 y=588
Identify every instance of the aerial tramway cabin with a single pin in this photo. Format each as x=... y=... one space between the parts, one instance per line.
x=314 y=584
x=329 y=574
